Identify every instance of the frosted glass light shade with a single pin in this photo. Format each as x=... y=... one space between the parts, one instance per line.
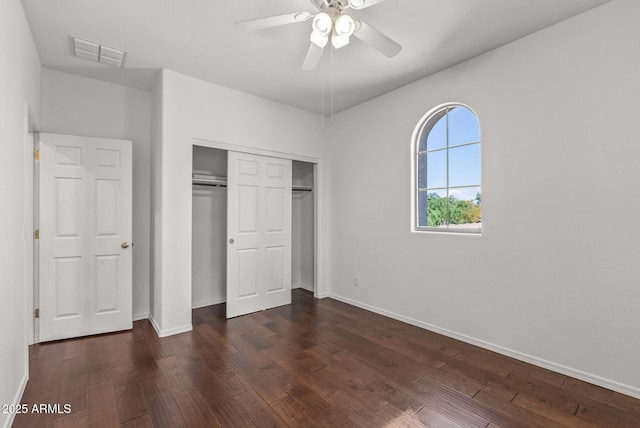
x=343 y=28
x=322 y=24
x=319 y=39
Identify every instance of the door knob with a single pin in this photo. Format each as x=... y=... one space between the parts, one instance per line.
x=126 y=245
x=231 y=241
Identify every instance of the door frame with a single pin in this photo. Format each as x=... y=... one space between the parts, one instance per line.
x=317 y=237
x=30 y=225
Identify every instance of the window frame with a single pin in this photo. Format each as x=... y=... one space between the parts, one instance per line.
x=415 y=186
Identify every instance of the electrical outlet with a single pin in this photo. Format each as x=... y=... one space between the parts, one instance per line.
x=356 y=281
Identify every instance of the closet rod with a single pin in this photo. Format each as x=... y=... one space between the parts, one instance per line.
x=209 y=183
x=224 y=184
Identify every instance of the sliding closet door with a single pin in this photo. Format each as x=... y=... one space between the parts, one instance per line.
x=258 y=233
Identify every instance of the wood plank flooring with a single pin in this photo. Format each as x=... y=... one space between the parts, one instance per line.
x=314 y=363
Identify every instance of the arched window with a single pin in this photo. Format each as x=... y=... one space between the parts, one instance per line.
x=447 y=182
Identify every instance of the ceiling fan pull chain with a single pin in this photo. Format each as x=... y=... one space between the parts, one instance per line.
x=322 y=92
x=331 y=72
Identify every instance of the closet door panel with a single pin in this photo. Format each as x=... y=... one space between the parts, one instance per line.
x=258 y=233
x=248 y=209
x=275 y=264
x=248 y=270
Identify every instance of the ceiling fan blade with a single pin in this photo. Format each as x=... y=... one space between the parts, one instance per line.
x=377 y=40
x=368 y=3
x=361 y=4
x=313 y=57
x=273 y=21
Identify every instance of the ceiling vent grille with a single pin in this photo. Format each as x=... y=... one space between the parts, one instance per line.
x=96 y=52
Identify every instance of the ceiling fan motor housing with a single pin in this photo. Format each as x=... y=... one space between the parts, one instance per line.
x=332 y=7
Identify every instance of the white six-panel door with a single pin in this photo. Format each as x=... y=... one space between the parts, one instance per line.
x=258 y=233
x=85 y=236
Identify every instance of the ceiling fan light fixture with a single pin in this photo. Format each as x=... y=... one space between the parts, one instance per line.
x=322 y=24
x=339 y=41
x=328 y=22
x=343 y=28
x=319 y=39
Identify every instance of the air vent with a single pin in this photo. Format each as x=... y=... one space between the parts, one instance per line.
x=96 y=52
x=111 y=56
x=86 y=49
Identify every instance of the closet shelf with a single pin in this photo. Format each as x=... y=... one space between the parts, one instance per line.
x=217 y=181
x=209 y=182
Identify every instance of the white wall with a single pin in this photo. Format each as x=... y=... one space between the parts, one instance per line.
x=554 y=278
x=195 y=109
x=19 y=93
x=81 y=106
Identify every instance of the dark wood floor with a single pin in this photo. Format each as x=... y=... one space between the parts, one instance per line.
x=313 y=363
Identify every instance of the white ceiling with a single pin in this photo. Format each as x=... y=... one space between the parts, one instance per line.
x=197 y=38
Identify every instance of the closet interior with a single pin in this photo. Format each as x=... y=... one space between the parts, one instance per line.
x=209 y=226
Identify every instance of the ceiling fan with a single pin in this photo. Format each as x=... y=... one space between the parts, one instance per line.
x=329 y=21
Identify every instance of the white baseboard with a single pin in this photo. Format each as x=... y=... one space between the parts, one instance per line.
x=169 y=331
x=559 y=368
x=209 y=302
x=303 y=286
x=143 y=316
x=17 y=399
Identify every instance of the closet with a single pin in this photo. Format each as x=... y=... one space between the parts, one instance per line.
x=209 y=226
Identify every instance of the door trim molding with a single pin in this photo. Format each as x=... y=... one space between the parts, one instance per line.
x=252 y=150
x=30 y=222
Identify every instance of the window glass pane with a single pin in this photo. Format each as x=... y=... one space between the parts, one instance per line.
x=463 y=127
x=437 y=208
x=437 y=137
x=448 y=171
x=464 y=165
x=437 y=169
x=422 y=209
x=467 y=194
x=422 y=171
x=465 y=211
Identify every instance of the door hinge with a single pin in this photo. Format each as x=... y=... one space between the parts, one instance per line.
x=36 y=234
x=36 y=313
x=36 y=155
